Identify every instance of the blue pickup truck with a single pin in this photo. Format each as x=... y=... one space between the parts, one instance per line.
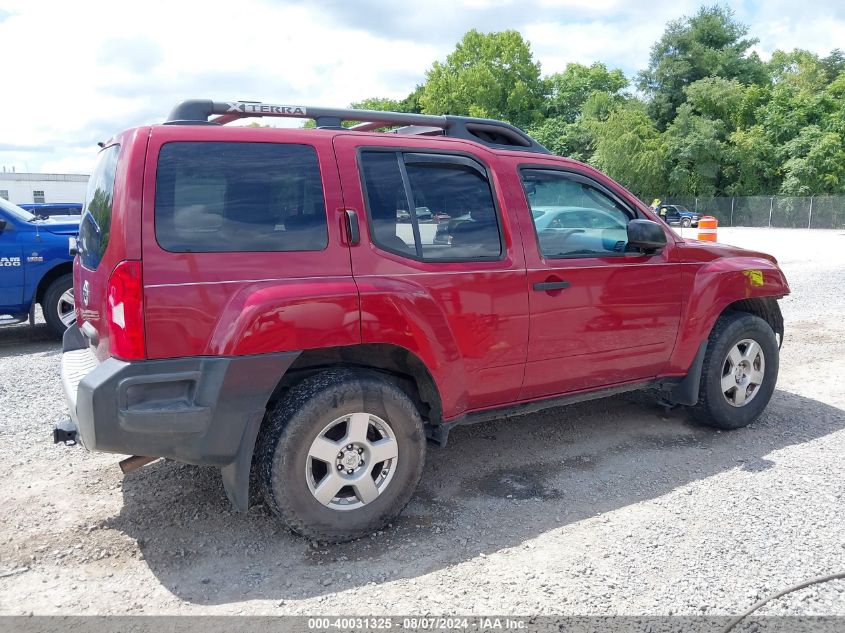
x=36 y=267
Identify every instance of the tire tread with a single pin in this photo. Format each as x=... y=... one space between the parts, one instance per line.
x=290 y=416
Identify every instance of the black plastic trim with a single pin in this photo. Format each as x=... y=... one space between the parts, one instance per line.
x=551 y=285
x=197 y=410
x=198 y=111
x=439 y=433
x=686 y=391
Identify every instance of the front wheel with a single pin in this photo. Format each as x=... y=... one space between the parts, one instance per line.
x=686 y=223
x=57 y=305
x=739 y=373
x=341 y=455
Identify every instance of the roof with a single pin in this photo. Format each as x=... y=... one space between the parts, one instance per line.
x=32 y=176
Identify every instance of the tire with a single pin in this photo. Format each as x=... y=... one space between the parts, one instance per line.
x=743 y=401
x=319 y=410
x=55 y=304
x=686 y=223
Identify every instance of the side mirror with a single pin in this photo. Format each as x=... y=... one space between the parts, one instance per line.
x=647 y=235
x=73 y=246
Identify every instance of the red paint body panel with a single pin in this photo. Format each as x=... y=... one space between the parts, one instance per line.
x=486 y=336
x=208 y=304
x=616 y=322
x=714 y=277
x=467 y=321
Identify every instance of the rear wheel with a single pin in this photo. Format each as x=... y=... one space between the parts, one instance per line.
x=57 y=305
x=341 y=455
x=739 y=373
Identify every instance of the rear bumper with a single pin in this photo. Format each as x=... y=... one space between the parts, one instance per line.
x=195 y=410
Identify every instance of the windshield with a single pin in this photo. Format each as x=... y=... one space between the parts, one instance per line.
x=15 y=211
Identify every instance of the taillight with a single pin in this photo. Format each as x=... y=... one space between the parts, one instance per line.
x=126 y=311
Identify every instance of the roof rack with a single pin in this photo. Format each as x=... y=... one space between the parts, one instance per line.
x=489 y=132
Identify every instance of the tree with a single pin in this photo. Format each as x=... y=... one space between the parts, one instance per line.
x=709 y=44
x=752 y=166
x=816 y=163
x=577 y=99
x=695 y=153
x=630 y=149
x=717 y=98
x=487 y=75
x=381 y=104
x=568 y=91
x=833 y=65
x=573 y=140
x=385 y=104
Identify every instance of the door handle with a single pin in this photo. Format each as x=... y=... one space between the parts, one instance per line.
x=353 y=233
x=551 y=285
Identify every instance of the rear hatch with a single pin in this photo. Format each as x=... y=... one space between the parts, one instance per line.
x=106 y=274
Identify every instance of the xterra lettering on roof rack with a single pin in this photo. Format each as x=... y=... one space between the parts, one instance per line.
x=265 y=108
x=489 y=132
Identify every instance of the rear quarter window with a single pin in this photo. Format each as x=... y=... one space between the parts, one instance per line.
x=227 y=197
x=95 y=225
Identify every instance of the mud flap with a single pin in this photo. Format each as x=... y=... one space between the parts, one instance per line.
x=236 y=475
x=686 y=391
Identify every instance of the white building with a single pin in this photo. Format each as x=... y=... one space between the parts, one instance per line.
x=24 y=188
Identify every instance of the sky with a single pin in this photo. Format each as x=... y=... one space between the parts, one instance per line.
x=75 y=73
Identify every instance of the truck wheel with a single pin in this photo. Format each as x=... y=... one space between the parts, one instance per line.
x=739 y=373
x=686 y=223
x=57 y=305
x=340 y=455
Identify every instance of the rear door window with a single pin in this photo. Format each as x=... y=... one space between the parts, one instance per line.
x=431 y=207
x=95 y=224
x=227 y=197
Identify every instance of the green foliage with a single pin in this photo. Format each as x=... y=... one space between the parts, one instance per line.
x=695 y=151
x=816 y=162
x=709 y=44
x=567 y=92
x=574 y=140
x=717 y=98
x=751 y=162
x=630 y=149
x=488 y=75
x=716 y=119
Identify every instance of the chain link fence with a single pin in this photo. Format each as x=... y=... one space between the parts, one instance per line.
x=808 y=212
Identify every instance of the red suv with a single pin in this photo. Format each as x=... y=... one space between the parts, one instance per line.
x=269 y=299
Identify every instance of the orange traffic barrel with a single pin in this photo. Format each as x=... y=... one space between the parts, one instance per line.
x=707 y=226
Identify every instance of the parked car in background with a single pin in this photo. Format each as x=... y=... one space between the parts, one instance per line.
x=677 y=215
x=49 y=209
x=36 y=267
x=259 y=300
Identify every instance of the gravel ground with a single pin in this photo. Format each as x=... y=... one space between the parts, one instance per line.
x=609 y=507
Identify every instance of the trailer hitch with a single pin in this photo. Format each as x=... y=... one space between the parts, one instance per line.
x=65 y=432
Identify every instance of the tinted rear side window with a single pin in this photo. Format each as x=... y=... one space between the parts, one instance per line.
x=96 y=214
x=224 y=197
x=445 y=213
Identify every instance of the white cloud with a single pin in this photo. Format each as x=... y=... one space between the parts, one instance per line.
x=74 y=73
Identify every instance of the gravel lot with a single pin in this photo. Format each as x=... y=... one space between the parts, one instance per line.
x=610 y=507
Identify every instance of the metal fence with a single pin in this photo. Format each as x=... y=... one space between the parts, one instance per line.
x=809 y=212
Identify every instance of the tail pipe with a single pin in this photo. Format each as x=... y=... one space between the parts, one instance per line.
x=135 y=462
